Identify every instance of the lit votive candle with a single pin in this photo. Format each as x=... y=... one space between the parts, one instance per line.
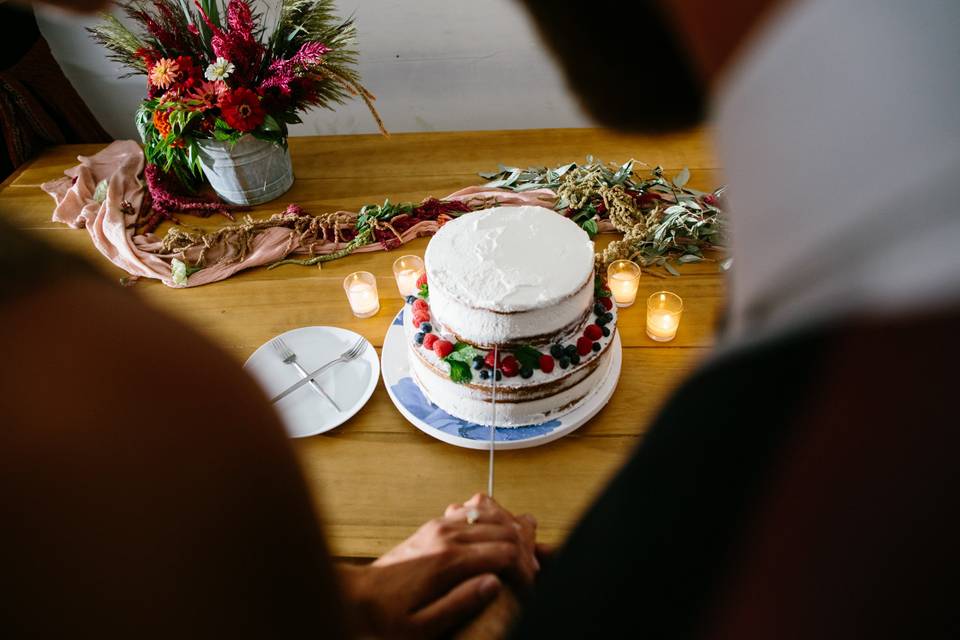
x=407 y=270
x=623 y=278
x=663 y=315
x=361 y=288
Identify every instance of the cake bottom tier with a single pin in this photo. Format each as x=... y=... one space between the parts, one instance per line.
x=473 y=405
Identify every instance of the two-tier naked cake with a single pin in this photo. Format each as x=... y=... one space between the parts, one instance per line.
x=519 y=279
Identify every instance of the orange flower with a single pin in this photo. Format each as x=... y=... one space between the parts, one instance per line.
x=161 y=120
x=164 y=73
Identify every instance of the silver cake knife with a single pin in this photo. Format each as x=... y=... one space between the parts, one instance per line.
x=493 y=421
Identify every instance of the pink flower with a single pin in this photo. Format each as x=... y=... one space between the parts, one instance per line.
x=282 y=73
x=237 y=43
x=207 y=94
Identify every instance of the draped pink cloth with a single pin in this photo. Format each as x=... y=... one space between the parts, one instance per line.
x=112 y=231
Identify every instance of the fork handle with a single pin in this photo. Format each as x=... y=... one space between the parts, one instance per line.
x=313 y=383
x=309 y=378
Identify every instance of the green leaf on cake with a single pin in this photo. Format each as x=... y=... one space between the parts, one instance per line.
x=528 y=357
x=459 y=371
x=463 y=352
x=599 y=288
x=459 y=361
x=424 y=291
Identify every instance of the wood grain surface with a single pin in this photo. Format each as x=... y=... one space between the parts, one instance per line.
x=376 y=478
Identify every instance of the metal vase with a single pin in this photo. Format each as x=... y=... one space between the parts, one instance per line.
x=252 y=171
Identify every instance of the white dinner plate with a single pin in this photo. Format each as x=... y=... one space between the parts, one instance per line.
x=436 y=422
x=305 y=412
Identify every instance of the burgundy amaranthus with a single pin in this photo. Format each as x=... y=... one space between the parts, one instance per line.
x=238 y=44
x=164 y=202
x=282 y=72
x=429 y=209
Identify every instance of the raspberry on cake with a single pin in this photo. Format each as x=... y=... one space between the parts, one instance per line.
x=442 y=348
x=593 y=331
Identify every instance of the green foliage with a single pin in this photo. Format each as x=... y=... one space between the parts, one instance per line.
x=460 y=371
x=121 y=42
x=459 y=361
x=675 y=222
x=369 y=213
x=164 y=151
x=599 y=288
x=528 y=357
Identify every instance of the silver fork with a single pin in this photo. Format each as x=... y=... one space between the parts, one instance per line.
x=355 y=350
x=289 y=357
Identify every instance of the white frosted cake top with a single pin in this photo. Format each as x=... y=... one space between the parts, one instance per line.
x=509 y=258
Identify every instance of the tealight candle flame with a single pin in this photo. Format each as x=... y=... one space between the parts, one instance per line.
x=407 y=270
x=623 y=279
x=361 y=289
x=663 y=315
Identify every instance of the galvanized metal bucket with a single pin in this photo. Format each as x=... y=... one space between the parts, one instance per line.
x=252 y=171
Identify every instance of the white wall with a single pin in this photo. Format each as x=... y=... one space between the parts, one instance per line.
x=434 y=65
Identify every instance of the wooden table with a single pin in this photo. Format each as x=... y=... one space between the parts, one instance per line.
x=377 y=478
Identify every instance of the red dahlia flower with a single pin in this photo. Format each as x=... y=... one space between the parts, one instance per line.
x=241 y=109
x=189 y=74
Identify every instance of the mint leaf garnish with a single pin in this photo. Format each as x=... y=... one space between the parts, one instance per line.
x=464 y=352
x=528 y=357
x=459 y=361
x=459 y=371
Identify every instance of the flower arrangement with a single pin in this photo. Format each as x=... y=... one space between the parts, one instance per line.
x=213 y=72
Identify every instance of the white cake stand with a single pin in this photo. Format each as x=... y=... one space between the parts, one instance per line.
x=436 y=422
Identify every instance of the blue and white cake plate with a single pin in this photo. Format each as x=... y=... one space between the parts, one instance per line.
x=434 y=421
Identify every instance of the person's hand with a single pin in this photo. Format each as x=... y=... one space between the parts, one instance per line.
x=483 y=509
x=444 y=574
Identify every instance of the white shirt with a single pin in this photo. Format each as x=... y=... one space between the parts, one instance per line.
x=839 y=131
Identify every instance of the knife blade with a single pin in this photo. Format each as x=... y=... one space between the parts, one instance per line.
x=493 y=421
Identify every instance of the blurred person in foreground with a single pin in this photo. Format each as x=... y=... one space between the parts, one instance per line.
x=801 y=484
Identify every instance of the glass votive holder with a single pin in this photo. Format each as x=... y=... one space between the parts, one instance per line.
x=361 y=288
x=623 y=279
x=663 y=315
x=407 y=270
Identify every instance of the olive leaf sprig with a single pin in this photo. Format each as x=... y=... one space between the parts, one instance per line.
x=661 y=219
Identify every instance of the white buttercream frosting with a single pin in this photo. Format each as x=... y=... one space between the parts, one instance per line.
x=509 y=258
x=509 y=274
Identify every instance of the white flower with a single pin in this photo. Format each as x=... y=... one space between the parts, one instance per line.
x=219 y=70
